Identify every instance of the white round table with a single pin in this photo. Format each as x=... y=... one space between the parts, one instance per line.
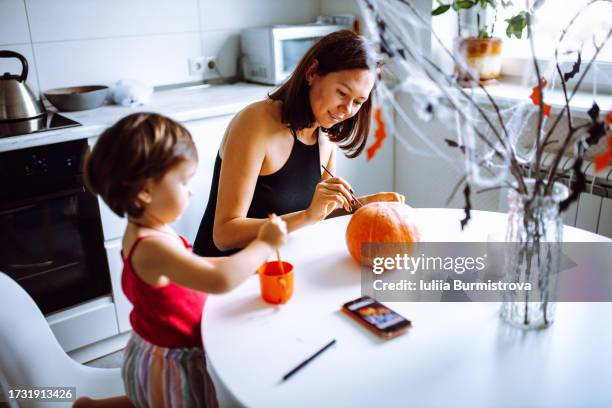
x=456 y=354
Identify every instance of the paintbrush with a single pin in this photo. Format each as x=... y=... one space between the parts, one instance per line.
x=355 y=199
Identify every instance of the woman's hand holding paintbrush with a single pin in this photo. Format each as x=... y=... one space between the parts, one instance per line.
x=355 y=203
x=330 y=193
x=360 y=202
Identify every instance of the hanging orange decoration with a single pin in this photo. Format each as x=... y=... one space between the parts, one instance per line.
x=379 y=135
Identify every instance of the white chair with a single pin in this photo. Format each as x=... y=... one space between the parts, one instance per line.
x=30 y=355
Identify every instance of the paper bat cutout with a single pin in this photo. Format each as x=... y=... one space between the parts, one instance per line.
x=379 y=136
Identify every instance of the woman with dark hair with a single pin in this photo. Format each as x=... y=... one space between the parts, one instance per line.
x=270 y=158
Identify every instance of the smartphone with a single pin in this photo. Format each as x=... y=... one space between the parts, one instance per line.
x=375 y=316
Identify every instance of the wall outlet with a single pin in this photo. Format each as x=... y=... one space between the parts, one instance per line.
x=203 y=66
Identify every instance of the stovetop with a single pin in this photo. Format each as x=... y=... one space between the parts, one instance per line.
x=49 y=121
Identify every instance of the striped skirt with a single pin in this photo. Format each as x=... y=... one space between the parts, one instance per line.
x=166 y=377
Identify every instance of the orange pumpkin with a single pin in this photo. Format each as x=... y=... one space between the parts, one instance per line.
x=390 y=222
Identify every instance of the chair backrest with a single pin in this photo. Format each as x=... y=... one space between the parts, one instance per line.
x=30 y=355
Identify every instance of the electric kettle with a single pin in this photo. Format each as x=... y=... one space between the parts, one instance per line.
x=17 y=101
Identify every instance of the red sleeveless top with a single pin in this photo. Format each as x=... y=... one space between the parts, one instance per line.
x=167 y=316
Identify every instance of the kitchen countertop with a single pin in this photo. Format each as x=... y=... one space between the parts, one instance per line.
x=181 y=104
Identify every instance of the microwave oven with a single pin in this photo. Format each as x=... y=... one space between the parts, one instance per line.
x=270 y=54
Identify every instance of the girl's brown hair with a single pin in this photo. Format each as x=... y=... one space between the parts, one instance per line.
x=338 y=51
x=139 y=147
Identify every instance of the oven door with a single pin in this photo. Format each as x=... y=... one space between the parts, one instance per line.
x=52 y=245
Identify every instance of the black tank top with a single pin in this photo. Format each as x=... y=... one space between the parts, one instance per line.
x=288 y=190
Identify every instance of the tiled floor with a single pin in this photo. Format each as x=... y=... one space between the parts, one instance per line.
x=108 y=361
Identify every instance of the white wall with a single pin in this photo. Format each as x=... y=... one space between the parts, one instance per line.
x=332 y=7
x=78 y=42
x=426 y=178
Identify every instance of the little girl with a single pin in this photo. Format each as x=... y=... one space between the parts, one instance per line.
x=141 y=167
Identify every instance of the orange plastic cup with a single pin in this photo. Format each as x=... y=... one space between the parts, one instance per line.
x=276 y=286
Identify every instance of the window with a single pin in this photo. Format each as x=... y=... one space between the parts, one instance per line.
x=551 y=18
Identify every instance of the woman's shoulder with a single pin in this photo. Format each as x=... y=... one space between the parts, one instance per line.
x=261 y=119
x=253 y=127
x=266 y=112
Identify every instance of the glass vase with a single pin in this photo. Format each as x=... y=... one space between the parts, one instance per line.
x=533 y=253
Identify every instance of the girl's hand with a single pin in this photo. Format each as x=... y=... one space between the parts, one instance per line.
x=372 y=198
x=330 y=193
x=273 y=231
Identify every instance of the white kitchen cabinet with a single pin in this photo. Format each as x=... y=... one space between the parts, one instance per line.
x=113 y=226
x=84 y=324
x=207 y=135
x=123 y=307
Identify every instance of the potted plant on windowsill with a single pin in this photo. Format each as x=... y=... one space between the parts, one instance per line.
x=477 y=48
